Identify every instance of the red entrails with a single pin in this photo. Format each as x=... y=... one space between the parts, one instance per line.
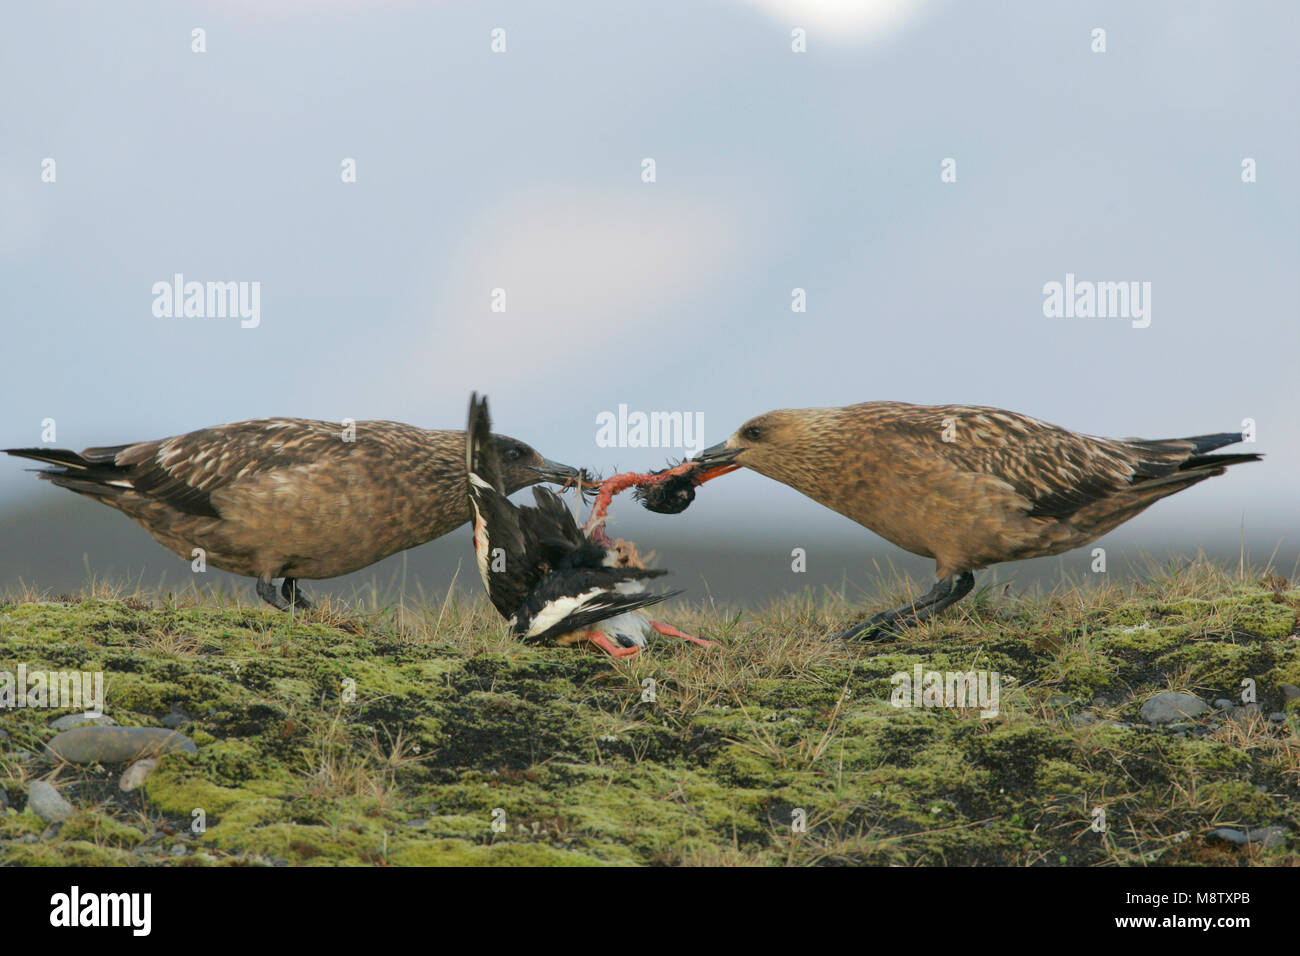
x=615 y=484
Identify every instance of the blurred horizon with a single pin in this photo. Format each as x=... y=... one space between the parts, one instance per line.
x=88 y=541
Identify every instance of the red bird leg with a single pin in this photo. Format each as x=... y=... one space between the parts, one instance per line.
x=606 y=645
x=669 y=631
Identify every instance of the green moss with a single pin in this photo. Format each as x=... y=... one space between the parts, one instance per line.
x=1144 y=640
x=462 y=853
x=1239 y=803
x=1264 y=619
x=1084 y=672
x=100 y=829
x=65 y=853
x=14 y=824
x=326 y=741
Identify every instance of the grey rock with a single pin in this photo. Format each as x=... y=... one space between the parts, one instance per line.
x=116 y=744
x=176 y=718
x=1170 y=706
x=180 y=849
x=1245 y=715
x=1290 y=691
x=1228 y=835
x=1277 y=717
x=136 y=774
x=69 y=721
x=1224 y=704
x=47 y=803
x=1269 y=837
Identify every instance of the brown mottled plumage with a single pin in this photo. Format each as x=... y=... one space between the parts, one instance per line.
x=289 y=497
x=966 y=485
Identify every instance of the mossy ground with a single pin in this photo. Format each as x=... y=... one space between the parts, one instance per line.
x=401 y=737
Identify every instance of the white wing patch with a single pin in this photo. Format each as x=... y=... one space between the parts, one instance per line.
x=559 y=609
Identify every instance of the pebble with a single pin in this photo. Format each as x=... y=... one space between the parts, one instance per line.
x=116 y=744
x=180 y=849
x=1171 y=706
x=1244 y=715
x=47 y=803
x=1277 y=717
x=1290 y=691
x=136 y=774
x=175 y=719
x=69 y=721
x=1268 y=837
x=1228 y=835
x=1224 y=704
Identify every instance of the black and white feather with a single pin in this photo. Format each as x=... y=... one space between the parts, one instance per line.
x=542 y=573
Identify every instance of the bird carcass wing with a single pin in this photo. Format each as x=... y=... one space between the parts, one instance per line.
x=579 y=601
x=500 y=545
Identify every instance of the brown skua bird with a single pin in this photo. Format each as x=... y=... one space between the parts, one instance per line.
x=290 y=497
x=966 y=485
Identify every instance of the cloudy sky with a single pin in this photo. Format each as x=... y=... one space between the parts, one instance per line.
x=774 y=170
